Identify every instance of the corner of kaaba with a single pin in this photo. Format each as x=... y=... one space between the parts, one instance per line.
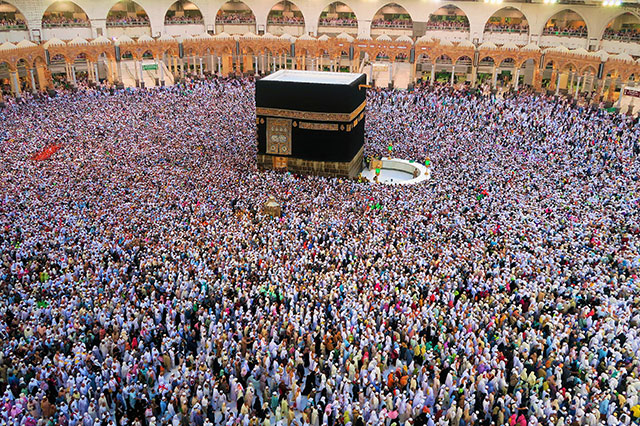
x=311 y=122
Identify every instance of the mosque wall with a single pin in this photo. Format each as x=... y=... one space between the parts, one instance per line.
x=478 y=13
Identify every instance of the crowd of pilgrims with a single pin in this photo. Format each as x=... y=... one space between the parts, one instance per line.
x=143 y=285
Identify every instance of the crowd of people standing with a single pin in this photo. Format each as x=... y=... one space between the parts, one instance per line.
x=143 y=285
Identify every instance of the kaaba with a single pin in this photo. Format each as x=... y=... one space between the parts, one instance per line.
x=311 y=122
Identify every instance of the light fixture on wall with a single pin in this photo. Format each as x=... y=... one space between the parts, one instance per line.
x=550 y=1
x=612 y=2
x=493 y=1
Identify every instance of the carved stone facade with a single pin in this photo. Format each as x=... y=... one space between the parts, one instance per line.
x=263 y=54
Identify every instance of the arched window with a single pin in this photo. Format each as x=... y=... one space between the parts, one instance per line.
x=127 y=13
x=448 y=18
x=11 y=18
x=64 y=14
x=183 y=12
x=566 y=23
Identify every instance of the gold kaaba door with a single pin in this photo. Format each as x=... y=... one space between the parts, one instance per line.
x=278 y=136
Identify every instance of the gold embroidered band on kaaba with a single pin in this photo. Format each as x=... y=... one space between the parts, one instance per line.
x=343 y=117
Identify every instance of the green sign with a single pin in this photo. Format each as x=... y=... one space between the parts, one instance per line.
x=150 y=67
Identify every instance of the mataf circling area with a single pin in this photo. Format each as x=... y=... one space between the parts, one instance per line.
x=398 y=171
x=142 y=283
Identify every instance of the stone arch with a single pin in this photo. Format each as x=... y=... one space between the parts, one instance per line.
x=548 y=25
x=339 y=14
x=442 y=67
x=297 y=12
x=59 y=56
x=382 y=55
x=547 y=73
x=507 y=60
x=484 y=57
x=127 y=11
x=525 y=60
x=462 y=57
x=183 y=12
x=588 y=68
x=38 y=61
x=392 y=15
x=554 y=64
x=7 y=64
x=568 y=66
x=424 y=57
x=80 y=53
x=57 y=67
x=236 y=12
x=500 y=20
x=401 y=56
x=12 y=13
x=170 y=51
x=128 y=53
x=438 y=20
x=64 y=13
x=611 y=33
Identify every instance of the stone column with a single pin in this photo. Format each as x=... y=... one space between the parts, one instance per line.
x=412 y=75
x=474 y=76
x=119 y=69
x=73 y=74
x=161 y=71
x=516 y=83
x=15 y=84
x=137 y=67
x=201 y=68
x=537 y=79
x=494 y=77
x=558 y=84
x=33 y=81
x=453 y=73
x=578 y=85
x=552 y=82
x=433 y=73
x=95 y=70
x=571 y=77
x=619 y=102
x=612 y=87
x=42 y=77
x=219 y=65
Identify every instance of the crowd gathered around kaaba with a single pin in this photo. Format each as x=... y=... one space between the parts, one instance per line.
x=142 y=283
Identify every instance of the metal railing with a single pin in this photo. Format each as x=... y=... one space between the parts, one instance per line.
x=85 y=24
x=338 y=24
x=128 y=24
x=13 y=27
